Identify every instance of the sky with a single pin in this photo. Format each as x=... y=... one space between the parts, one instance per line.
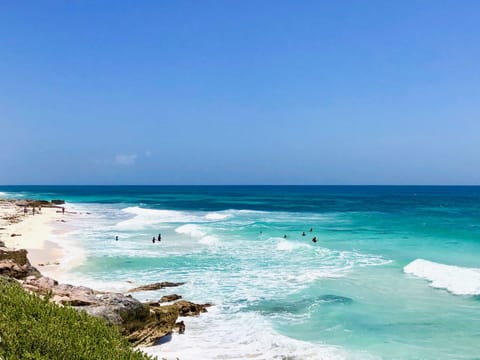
x=240 y=92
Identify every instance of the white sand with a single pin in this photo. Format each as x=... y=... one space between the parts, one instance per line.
x=39 y=235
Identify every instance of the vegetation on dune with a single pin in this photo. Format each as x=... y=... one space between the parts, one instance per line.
x=32 y=328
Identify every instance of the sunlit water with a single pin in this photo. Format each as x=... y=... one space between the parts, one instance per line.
x=394 y=273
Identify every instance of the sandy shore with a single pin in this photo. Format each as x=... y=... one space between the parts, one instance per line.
x=38 y=234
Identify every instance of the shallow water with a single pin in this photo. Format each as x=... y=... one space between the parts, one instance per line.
x=394 y=273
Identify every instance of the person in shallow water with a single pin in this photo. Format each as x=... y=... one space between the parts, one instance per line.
x=285 y=236
x=303 y=233
x=159 y=237
x=116 y=238
x=311 y=229
x=314 y=239
x=153 y=240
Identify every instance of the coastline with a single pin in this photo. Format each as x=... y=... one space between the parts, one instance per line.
x=39 y=234
x=33 y=254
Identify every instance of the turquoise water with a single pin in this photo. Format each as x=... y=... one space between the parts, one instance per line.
x=394 y=274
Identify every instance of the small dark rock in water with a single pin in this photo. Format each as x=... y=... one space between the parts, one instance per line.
x=58 y=202
x=155 y=286
x=335 y=299
x=168 y=298
x=180 y=326
x=302 y=305
x=187 y=308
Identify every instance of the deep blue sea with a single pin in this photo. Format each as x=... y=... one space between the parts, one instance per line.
x=394 y=274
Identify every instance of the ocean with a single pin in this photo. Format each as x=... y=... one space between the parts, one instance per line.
x=394 y=272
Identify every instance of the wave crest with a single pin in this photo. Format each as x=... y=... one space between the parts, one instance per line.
x=209 y=240
x=216 y=216
x=458 y=280
x=190 y=229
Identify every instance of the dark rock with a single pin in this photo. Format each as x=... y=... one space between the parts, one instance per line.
x=187 y=308
x=58 y=202
x=168 y=298
x=155 y=286
x=12 y=269
x=160 y=323
x=335 y=299
x=33 y=203
x=180 y=327
x=20 y=258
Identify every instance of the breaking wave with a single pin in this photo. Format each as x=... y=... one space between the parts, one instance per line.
x=190 y=229
x=458 y=280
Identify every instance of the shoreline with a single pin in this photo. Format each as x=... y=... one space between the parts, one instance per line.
x=33 y=254
x=39 y=234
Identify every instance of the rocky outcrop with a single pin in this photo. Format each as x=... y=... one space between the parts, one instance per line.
x=38 y=203
x=187 y=308
x=160 y=322
x=155 y=286
x=12 y=269
x=141 y=323
x=16 y=263
x=169 y=298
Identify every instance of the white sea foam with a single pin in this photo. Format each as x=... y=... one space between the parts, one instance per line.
x=209 y=240
x=151 y=217
x=242 y=336
x=190 y=229
x=285 y=245
x=216 y=216
x=458 y=280
x=10 y=195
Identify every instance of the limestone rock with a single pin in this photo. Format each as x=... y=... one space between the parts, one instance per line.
x=19 y=257
x=180 y=327
x=161 y=322
x=118 y=309
x=12 y=269
x=168 y=298
x=58 y=202
x=187 y=308
x=155 y=286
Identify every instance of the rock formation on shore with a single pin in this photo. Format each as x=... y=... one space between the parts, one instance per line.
x=141 y=323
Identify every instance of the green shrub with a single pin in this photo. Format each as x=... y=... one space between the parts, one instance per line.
x=32 y=328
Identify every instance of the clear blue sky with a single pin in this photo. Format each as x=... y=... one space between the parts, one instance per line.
x=240 y=92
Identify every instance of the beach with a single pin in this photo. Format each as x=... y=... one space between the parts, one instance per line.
x=40 y=235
